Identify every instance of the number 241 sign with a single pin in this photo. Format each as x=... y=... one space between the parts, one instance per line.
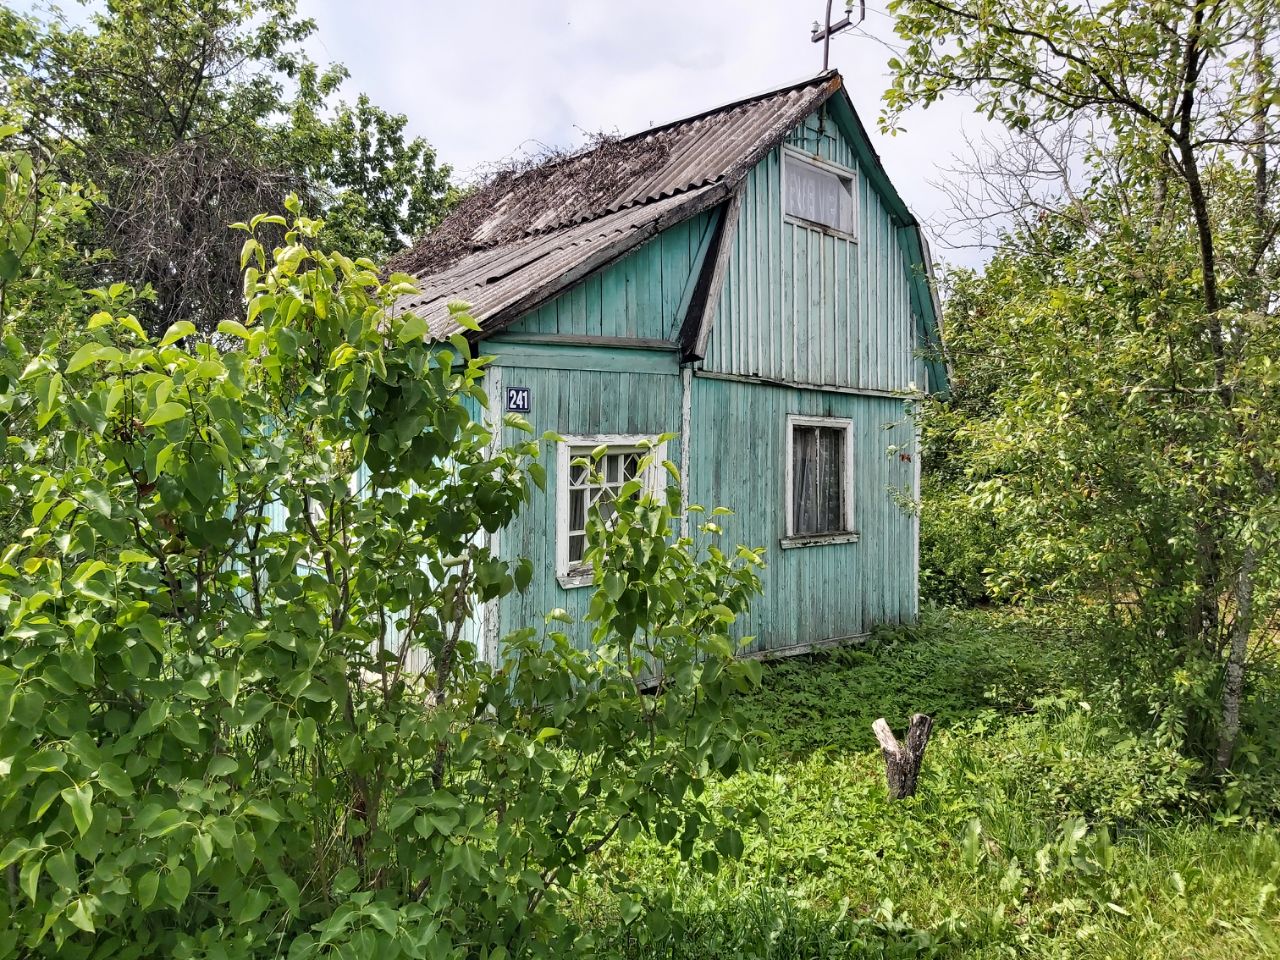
x=519 y=399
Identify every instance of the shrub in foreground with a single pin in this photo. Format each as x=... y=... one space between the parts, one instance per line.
x=240 y=715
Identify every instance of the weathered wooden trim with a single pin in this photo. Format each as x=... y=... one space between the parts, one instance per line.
x=585 y=340
x=490 y=628
x=915 y=526
x=820 y=161
x=628 y=440
x=793 y=650
x=792 y=539
x=686 y=441
x=702 y=310
x=800 y=385
x=545 y=356
x=695 y=273
x=811 y=646
x=819 y=539
x=820 y=228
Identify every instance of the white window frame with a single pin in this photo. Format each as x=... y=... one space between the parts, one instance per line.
x=569 y=449
x=791 y=155
x=849 y=534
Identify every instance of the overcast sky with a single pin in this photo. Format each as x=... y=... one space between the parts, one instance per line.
x=484 y=81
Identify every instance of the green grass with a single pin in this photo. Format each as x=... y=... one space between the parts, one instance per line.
x=950 y=666
x=1042 y=827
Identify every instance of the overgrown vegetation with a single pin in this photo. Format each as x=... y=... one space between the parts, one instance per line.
x=1113 y=437
x=529 y=186
x=246 y=510
x=241 y=712
x=1046 y=824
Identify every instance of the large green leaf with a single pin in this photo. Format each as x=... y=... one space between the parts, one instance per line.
x=165 y=412
x=80 y=800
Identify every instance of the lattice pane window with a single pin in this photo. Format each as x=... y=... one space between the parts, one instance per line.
x=585 y=491
x=581 y=488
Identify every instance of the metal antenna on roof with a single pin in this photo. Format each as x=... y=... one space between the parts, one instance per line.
x=824 y=34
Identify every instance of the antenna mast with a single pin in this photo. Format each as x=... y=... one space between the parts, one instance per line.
x=823 y=35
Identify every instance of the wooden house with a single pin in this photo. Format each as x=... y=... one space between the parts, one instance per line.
x=747 y=279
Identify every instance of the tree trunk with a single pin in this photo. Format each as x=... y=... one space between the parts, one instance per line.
x=1237 y=654
x=902 y=761
x=1242 y=629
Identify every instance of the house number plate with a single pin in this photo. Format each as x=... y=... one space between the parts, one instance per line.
x=519 y=399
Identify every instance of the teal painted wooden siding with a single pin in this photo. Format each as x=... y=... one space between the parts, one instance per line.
x=803 y=305
x=637 y=297
x=571 y=400
x=738 y=460
x=800 y=306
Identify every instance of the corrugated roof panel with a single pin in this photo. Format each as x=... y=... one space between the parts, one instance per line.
x=713 y=147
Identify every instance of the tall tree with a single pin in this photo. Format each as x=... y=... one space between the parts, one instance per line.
x=1135 y=436
x=189 y=114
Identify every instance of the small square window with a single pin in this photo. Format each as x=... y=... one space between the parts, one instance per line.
x=580 y=489
x=818 y=195
x=819 y=479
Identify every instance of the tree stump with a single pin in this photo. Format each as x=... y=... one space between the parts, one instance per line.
x=902 y=760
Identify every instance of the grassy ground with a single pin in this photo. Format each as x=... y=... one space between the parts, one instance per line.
x=1042 y=828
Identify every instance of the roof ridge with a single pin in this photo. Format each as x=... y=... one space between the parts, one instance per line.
x=812 y=80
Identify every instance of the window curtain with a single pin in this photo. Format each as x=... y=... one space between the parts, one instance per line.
x=804 y=480
x=817 y=480
x=831 y=479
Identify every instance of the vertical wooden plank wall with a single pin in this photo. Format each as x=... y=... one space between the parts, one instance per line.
x=804 y=306
x=833 y=317
x=637 y=297
x=812 y=593
x=574 y=400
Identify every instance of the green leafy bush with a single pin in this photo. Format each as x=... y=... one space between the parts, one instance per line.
x=1064 y=759
x=767 y=923
x=240 y=715
x=957 y=545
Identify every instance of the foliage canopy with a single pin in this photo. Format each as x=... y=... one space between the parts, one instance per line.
x=1117 y=357
x=186 y=116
